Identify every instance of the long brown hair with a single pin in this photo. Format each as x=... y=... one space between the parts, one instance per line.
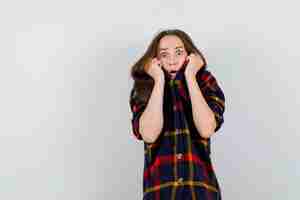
x=143 y=82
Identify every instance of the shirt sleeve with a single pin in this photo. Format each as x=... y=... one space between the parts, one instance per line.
x=137 y=108
x=213 y=95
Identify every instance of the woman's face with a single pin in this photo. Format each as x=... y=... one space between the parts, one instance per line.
x=171 y=53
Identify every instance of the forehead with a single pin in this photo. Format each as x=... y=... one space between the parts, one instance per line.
x=170 y=42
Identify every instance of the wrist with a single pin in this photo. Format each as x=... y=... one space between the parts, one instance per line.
x=159 y=80
x=190 y=76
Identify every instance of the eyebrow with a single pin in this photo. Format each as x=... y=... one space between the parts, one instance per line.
x=161 y=49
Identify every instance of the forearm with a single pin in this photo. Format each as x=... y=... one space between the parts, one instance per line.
x=203 y=116
x=151 y=121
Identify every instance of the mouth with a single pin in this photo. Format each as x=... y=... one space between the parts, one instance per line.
x=173 y=72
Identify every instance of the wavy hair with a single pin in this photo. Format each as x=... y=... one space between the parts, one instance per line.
x=143 y=82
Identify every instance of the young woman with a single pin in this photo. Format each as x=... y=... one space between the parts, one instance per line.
x=177 y=105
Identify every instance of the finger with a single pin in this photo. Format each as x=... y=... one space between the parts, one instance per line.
x=156 y=59
x=188 y=59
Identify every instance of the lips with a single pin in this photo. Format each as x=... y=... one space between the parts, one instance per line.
x=173 y=72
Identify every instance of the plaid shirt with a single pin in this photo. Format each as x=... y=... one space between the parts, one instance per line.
x=177 y=166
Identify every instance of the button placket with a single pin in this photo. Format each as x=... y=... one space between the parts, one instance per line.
x=179 y=156
x=180 y=180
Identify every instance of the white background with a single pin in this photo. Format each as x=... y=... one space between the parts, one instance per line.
x=65 y=128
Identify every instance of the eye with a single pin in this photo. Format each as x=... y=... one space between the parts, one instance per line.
x=179 y=52
x=163 y=55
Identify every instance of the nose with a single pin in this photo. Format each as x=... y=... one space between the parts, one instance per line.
x=172 y=60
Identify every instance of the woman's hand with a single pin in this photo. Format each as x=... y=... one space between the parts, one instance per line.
x=194 y=65
x=154 y=69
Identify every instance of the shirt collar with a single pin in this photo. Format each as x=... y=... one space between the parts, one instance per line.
x=179 y=81
x=179 y=77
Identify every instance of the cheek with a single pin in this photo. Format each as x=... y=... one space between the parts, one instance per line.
x=165 y=67
x=182 y=61
x=164 y=62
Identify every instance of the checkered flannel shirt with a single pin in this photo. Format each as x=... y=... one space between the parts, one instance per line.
x=177 y=165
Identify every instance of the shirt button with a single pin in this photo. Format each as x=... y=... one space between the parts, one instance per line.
x=180 y=180
x=179 y=156
x=174 y=107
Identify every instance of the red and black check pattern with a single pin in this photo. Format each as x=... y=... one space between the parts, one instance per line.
x=177 y=166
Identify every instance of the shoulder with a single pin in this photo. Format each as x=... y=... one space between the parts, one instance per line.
x=137 y=98
x=205 y=78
